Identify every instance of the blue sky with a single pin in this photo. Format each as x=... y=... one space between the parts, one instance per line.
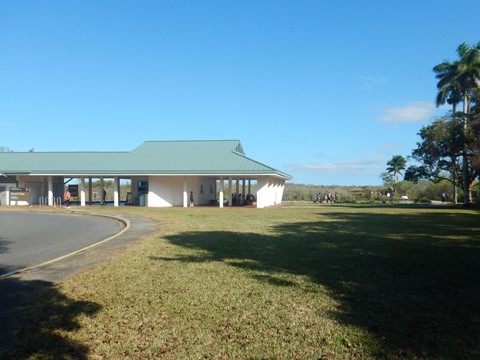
x=325 y=91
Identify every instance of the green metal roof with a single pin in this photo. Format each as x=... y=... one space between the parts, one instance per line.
x=202 y=157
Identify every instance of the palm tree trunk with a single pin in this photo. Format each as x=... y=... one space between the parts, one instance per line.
x=467 y=191
x=454 y=183
x=455 y=192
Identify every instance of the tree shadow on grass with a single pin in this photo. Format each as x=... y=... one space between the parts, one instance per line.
x=29 y=323
x=412 y=280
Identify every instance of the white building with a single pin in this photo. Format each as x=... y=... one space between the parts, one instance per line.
x=162 y=174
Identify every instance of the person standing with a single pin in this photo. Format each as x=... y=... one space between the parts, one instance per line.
x=66 y=198
x=389 y=198
x=191 y=198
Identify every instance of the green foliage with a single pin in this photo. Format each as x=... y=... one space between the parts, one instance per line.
x=439 y=151
x=396 y=165
x=460 y=81
x=388 y=180
x=108 y=185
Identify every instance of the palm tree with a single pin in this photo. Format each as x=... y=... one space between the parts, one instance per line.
x=396 y=165
x=452 y=95
x=460 y=80
x=449 y=94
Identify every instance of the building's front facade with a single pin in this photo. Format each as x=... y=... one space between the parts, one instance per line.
x=161 y=173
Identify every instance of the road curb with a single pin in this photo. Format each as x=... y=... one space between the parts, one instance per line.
x=125 y=222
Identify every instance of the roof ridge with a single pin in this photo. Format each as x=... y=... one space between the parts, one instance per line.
x=197 y=140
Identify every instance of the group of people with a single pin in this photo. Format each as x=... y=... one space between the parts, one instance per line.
x=241 y=199
x=237 y=200
x=326 y=197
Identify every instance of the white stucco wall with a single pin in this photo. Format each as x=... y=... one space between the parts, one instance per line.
x=165 y=191
x=279 y=190
x=270 y=191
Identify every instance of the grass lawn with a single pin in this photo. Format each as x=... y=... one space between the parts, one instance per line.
x=319 y=282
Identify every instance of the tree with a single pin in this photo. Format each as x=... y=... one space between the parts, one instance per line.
x=450 y=94
x=388 y=180
x=440 y=153
x=396 y=165
x=460 y=80
x=416 y=173
x=475 y=128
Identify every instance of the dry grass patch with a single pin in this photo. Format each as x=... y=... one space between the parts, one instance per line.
x=328 y=282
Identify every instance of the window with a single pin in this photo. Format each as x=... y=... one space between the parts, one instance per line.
x=142 y=187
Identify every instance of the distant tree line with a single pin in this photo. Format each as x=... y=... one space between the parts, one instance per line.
x=421 y=191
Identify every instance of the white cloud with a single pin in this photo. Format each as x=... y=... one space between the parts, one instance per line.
x=351 y=168
x=417 y=111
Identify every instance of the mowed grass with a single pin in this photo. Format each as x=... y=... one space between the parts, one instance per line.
x=323 y=282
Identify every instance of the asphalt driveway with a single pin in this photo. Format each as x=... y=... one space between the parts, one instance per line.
x=28 y=238
x=16 y=290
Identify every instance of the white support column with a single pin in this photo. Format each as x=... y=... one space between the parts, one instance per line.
x=229 y=191
x=237 y=186
x=185 y=193
x=50 y=191
x=243 y=188
x=116 y=191
x=262 y=191
x=275 y=191
x=281 y=188
x=222 y=185
x=249 y=186
x=270 y=192
x=278 y=197
x=82 y=191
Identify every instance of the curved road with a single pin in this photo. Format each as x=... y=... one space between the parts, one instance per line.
x=28 y=239
x=31 y=238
